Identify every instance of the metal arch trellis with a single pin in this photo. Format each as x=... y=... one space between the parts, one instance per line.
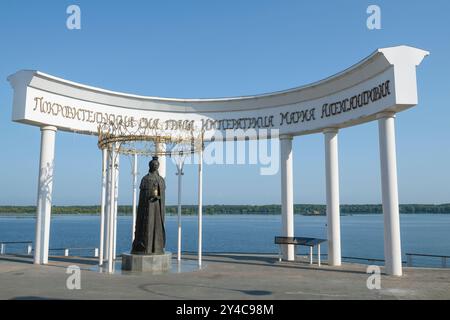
x=129 y=138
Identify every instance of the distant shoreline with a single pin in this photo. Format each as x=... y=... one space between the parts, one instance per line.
x=301 y=209
x=68 y=215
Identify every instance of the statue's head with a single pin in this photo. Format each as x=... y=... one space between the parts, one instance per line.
x=154 y=164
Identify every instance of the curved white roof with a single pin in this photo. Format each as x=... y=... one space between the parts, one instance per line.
x=396 y=64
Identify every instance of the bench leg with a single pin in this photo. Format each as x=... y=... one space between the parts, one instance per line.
x=318 y=255
x=310 y=255
x=279 y=253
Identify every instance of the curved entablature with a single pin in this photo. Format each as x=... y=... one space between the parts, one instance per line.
x=384 y=81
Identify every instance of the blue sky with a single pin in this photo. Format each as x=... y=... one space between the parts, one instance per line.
x=227 y=48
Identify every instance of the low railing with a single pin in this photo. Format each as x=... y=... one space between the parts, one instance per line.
x=29 y=247
x=4 y=243
x=409 y=258
x=67 y=250
x=369 y=260
x=408 y=262
x=299 y=253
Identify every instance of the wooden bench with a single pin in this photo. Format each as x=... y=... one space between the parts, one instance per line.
x=301 y=241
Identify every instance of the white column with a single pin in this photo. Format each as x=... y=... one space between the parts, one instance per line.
x=318 y=255
x=332 y=187
x=287 y=195
x=102 y=206
x=200 y=206
x=388 y=160
x=44 y=194
x=107 y=205
x=111 y=212
x=179 y=174
x=161 y=147
x=116 y=200
x=135 y=174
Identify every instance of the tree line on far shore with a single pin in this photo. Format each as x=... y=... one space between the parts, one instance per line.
x=304 y=209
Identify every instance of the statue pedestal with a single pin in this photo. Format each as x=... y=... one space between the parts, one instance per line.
x=146 y=263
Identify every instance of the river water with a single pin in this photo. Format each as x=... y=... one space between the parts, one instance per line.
x=362 y=235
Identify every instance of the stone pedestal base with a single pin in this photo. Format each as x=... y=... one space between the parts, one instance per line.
x=145 y=263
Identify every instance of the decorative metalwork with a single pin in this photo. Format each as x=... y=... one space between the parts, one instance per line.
x=130 y=138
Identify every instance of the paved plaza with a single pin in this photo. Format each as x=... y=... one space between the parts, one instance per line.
x=223 y=276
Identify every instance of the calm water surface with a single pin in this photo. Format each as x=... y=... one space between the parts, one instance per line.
x=362 y=235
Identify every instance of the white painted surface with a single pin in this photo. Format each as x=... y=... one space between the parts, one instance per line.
x=116 y=201
x=134 y=203
x=180 y=175
x=89 y=105
x=44 y=195
x=287 y=196
x=54 y=103
x=388 y=160
x=318 y=255
x=107 y=206
x=102 y=205
x=332 y=194
x=110 y=268
x=200 y=207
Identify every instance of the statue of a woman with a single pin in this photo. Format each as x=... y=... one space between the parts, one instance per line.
x=150 y=235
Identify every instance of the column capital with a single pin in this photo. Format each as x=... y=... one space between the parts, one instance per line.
x=49 y=128
x=386 y=114
x=285 y=137
x=330 y=130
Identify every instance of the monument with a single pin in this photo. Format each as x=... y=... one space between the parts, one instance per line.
x=377 y=88
x=147 y=253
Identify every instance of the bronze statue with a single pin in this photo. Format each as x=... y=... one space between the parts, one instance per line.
x=150 y=235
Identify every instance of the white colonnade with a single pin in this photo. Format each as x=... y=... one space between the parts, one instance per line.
x=109 y=196
x=372 y=89
x=390 y=203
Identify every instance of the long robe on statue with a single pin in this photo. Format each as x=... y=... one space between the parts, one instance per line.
x=150 y=234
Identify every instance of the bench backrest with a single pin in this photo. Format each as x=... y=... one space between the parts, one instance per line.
x=299 y=241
